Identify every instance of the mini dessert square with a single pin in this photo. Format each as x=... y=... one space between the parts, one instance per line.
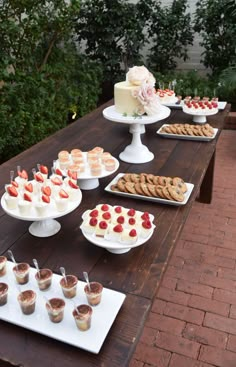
x=3 y=293
x=94 y=293
x=69 y=285
x=101 y=228
x=27 y=301
x=44 y=278
x=82 y=316
x=55 y=308
x=21 y=272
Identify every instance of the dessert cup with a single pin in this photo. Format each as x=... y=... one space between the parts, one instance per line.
x=21 y=272
x=82 y=315
x=94 y=295
x=24 y=207
x=11 y=201
x=3 y=265
x=3 y=293
x=27 y=301
x=44 y=279
x=55 y=308
x=69 y=285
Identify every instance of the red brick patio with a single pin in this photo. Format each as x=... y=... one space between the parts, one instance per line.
x=192 y=322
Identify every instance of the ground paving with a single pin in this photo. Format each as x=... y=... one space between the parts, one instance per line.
x=192 y=322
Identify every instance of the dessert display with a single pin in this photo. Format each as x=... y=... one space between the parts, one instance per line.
x=136 y=95
x=44 y=279
x=27 y=300
x=197 y=106
x=55 y=308
x=205 y=130
x=3 y=265
x=82 y=315
x=69 y=285
x=166 y=96
x=21 y=272
x=3 y=293
x=168 y=188
x=93 y=293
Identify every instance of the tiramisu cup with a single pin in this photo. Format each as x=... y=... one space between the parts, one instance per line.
x=21 y=272
x=69 y=285
x=55 y=308
x=27 y=301
x=82 y=315
x=3 y=293
x=44 y=279
x=3 y=265
x=94 y=294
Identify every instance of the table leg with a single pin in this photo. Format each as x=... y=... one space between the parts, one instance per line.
x=206 y=189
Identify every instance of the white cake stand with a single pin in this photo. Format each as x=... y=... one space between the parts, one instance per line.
x=136 y=152
x=199 y=116
x=42 y=226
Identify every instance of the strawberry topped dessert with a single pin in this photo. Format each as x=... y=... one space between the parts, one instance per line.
x=166 y=95
x=200 y=107
x=11 y=197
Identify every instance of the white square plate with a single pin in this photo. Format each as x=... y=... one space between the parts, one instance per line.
x=186 y=137
x=66 y=331
x=148 y=198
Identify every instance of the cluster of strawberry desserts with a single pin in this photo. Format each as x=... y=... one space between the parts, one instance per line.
x=166 y=95
x=42 y=193
x=94 y=162
x=117 y=224
x=200 y=106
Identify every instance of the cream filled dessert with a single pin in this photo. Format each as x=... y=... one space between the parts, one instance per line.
x=27 y=301
x=94 y=293
x=82 y=316
x=55 y=308
x=69 y=285
x=44 y=278
x=136 y=95
x=11 y=197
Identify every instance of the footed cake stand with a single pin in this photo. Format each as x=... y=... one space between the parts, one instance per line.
x=199 y=116
x=45 y=226
x=136 y=152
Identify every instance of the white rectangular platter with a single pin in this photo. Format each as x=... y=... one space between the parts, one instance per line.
x=66 y=331
x=221 y=105
x=148 y=198
x=186 y=137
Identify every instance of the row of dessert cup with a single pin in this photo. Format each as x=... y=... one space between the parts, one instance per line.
x=55 y=306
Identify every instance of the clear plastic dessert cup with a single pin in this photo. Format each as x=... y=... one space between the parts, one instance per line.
x=3 y=265
x=3 y=293
x=21 y=272
x=69 y=285
x=27 y=300
x=55 y=308
x=82 y=315
x=44 y=279
x=94 y=294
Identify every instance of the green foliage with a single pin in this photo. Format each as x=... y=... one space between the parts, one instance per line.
x=227 y=84
x=42 y=76
x=170 y=33
x=215 y=21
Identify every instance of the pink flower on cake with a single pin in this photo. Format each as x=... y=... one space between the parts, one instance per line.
x=149 y=102
x=139 y=75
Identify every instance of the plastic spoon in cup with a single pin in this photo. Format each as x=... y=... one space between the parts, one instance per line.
x=63 y=273
x=86 y=277
x=48 y=302
x=36 y=266
x=12 y=257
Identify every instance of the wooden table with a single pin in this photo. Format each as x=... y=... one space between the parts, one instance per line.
x=136 y=273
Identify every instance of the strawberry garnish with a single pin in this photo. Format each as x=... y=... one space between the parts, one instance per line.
x=118 y=209
x=106 y=215
x=93 y=222
x=63 y=194
x=43 y=169
x=121 y=219
x=147 y=224
x=133 y=233
x=12 y=191
x=94 y=213
x=131 y=212
x=58 y=172
x=29 y=187
x=118 y=228
x=14 y=183
x=105 y=207
x=38 y=177
x=56 y=181
x=73 y=185
x=23 y=174
x=103 y=224
x=27 y=197
x=46 y=199
x=72 y=174
x=46 y=190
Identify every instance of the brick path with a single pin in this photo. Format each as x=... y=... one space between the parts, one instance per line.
x=192 y=322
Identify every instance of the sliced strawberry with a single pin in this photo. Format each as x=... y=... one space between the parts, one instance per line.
x=72 y=174
x=29 y=187
x=46 y=198
x=56 y=181
x=27 y=197
x=58 y=172
x=73 y=185
x=14 y=183
x=38 y=177
x=12 y=191
x=43 y=169
x=63 y=194
x=24 y=174
x=46 y=190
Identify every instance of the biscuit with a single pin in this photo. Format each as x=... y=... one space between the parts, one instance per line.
x=134 y=177
x=179 y=182
x=175 y=193
x=149 y=178
x=126 y=177
x=121 y=185
x=165 y=190
x=159 y=191
x=138 y=188
x=152 y=190
x=145 y=189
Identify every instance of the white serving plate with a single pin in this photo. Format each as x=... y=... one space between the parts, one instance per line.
x=148 y=198
x=66 y=331
x=186 y=137
x=221 y=105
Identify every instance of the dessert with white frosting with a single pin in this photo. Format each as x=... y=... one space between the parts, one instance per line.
x=166 y=96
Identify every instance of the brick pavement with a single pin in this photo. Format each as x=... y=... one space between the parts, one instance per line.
x=192 y=322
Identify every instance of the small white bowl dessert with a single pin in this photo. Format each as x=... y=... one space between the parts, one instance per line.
x=62 y=200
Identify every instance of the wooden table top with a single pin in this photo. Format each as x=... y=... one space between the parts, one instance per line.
x=136 y=273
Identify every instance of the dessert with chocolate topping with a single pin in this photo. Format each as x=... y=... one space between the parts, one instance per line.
x=3 y=293
x=55 y=308
x=69 y=285
x=44 y=278
x=82 y=315
x=27 y=301
x=3 y=265
x=94 y=294
x=21 y=272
